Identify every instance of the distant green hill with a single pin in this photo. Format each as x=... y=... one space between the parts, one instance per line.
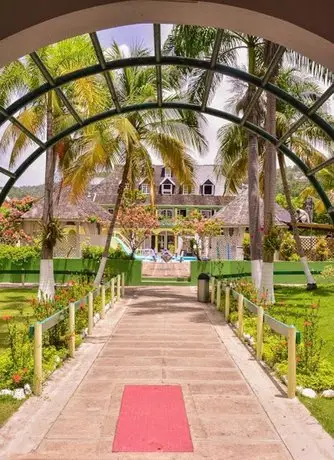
x=36 y=191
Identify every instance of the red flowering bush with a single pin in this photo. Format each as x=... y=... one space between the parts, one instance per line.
x=10 y=226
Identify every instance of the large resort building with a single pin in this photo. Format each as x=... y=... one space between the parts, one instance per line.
x=86 y=220
x=172 y=199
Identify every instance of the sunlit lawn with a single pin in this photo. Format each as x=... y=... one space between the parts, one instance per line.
x=8 y=406
x=298 y=299
x=14 y=303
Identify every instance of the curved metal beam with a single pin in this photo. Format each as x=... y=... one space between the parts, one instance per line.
x=170 y=105
x=167 y=61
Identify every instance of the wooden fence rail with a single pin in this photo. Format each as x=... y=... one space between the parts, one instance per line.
x=117 y=290
x=292 y=335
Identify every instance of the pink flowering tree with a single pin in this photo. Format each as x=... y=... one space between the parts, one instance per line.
x=136 y=220
x=10 y=225
x=199 y=227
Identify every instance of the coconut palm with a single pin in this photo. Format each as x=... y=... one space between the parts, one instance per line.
x=267 y=277
x=168 y=134
x=44 y=118
x=233 y=152
x=193 y=41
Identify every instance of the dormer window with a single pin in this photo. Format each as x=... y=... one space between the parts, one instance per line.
x=208 y=188
x=167 y=187
x=168 y=173
x=145 y=188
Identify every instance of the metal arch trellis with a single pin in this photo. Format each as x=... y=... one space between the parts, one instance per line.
x=158 y=60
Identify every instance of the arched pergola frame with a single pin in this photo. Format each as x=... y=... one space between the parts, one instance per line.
x=158 y=60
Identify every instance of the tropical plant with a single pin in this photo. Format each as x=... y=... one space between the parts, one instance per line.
x=45 y=116
x=136 y=221
x=192 y=41
x=10 y=225
x=130 y=138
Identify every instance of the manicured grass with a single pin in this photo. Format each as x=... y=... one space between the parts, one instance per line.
x=8 y=406
x=298 y=300
x=15 y=303
x=323 y=410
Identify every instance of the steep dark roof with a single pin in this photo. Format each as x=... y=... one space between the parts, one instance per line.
x=66 y=209
x=105 y=192
x=236 y=212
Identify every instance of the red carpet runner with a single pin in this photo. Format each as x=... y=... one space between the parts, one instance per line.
x=152 y=419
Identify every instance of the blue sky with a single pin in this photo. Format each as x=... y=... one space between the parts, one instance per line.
x=130 y=35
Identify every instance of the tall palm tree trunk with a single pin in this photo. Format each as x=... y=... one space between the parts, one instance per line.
x=254 y=210
x=46 y=287
x=112 y=225
x=267 y=279
x=254 y=189
x=311 y=283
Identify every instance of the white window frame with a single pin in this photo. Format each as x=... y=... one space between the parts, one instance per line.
x=145 y=188
x=166 y=213
x=168 y=190
x=208 y=185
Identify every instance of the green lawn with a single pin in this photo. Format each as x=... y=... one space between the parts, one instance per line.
x=323 y=410
x=298 y=299
x=8 y=406
x=15 y=303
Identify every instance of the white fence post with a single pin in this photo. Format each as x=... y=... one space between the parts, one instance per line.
x=103 y=301
x=72 y=329
x=259 y=340
x=38 y=359
x=219 y=295
x=292 y=362
x=213 y=290
x=241 y=315
x=90 y=313
x=227 y=302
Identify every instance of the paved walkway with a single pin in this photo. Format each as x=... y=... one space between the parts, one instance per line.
x=164 y=336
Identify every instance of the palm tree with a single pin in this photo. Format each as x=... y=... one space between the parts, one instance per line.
x=165 y=133
x=267 y=278
x=311 y=283
x=232 y=155
x=193 y=41
x=44 y=118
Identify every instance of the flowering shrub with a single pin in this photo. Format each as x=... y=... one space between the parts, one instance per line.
x=10 y=226
x=16 y=363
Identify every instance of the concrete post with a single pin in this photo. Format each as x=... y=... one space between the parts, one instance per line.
x=90 y=313
x=71 y=345
x=292 y=362
x=259 y=340
x=241 y=315
x=38 y=359
x=103 y=301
